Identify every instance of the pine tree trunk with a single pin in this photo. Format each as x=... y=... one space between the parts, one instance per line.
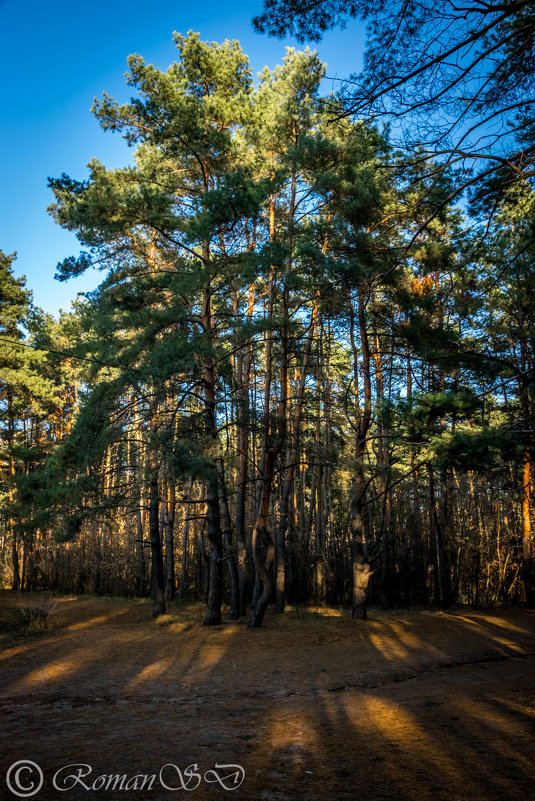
x=213 y=521
x=244 y=361
x=527 y=555
x=291 y=458
x=157 y=576
x=444 y=543
x=360 y=567
x=280 y=534
x=361 y=570
x=230 y=556
x=262 y=545
x=16 y=583
x=141 y=565
x=168 y=525
x=185 y=538
x=214 y=598
x=386 y=573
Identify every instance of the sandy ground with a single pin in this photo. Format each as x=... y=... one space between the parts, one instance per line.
x=410 y=706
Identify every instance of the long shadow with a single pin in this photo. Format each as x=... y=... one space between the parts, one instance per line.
x=312 y=707
x=443 y=734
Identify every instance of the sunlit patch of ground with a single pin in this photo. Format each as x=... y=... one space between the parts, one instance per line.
x=408 y=706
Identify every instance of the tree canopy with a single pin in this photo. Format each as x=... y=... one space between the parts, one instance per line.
x=456 y=78
x=306 y=373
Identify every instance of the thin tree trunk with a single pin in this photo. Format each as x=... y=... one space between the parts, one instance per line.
x=262 y=544
x=168 y=526
x=386 y=574
x=16 y=583
x=319 y=472
x=185 y=538
x=230 y=555
x=215 y=561
x=157 y=566
x=527 y=555
x=436 y=556
x=141 y=565
x=213 y=521
x=157 y=574
x=244 y=360
x=262 y=547
x=290 y=469
x=361 y=571
x=444 y=542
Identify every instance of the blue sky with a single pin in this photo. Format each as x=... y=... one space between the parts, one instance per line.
x=55 y=57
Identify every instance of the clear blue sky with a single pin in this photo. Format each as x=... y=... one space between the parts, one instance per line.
x=55 y=57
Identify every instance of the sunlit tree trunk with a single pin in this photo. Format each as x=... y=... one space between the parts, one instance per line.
x=157 y=567
x=360 y=566
x=213 y=519
x=263 y=550
x=168 y=527
x=15 y=584
x=244 y=360
x=527 y=554
x=141 y=564
x=292 y=456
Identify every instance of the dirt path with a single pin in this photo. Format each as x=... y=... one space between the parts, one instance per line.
x=409 y=706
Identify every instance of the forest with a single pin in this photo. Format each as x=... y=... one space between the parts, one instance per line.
x=307 y=373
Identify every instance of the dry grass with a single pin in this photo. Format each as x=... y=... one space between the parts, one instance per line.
x=33 y=613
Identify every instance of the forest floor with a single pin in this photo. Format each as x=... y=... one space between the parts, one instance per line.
x=408 y=706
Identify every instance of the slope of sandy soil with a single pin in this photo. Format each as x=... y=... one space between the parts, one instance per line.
x=409 y=706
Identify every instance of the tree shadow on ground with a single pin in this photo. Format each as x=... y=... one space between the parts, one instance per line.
x=314 y=706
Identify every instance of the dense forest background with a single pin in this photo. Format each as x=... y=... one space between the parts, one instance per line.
x=307 y=374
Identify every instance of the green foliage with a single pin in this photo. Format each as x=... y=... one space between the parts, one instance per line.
x=254 y=241
x=309 y=21
x=477 y=451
